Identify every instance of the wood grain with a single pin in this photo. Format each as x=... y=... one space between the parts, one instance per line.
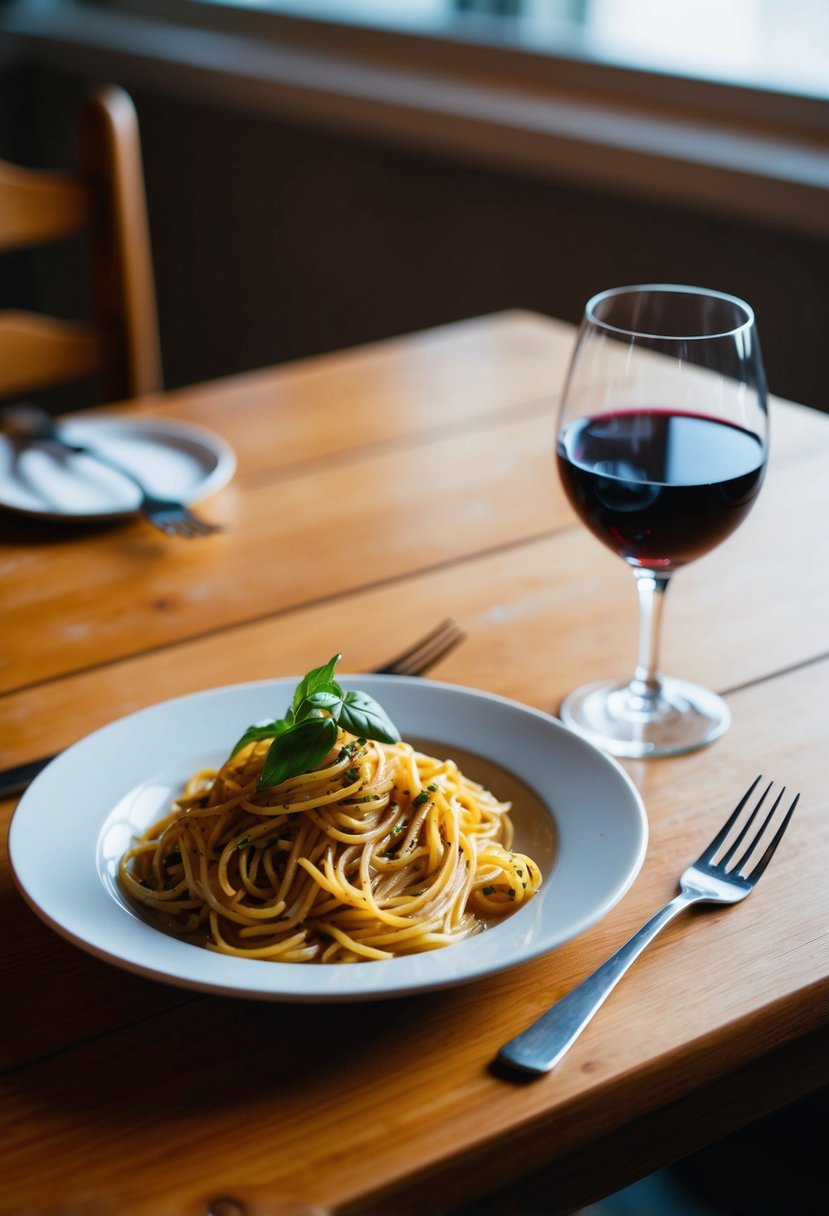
x=408 y=1071
x=125 y=1096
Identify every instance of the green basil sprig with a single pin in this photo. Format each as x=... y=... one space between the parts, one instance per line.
x=308 y=731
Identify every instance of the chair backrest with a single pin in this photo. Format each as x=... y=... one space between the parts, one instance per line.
x=106 y=199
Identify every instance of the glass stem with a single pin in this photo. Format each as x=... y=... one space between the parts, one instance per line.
x=647 y=682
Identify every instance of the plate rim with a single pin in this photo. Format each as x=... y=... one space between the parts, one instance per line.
x=386 y=983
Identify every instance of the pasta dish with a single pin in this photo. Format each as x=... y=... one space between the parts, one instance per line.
x=375 y=851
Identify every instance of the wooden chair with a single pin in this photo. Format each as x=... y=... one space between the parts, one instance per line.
x=106 y=199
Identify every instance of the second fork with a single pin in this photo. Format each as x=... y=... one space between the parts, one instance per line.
x=725 y=872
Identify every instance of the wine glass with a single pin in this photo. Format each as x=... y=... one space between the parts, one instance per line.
x=661 y=447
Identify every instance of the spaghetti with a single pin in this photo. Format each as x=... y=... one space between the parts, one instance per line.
x=378 y=851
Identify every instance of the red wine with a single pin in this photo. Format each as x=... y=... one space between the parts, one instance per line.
x=660 y=488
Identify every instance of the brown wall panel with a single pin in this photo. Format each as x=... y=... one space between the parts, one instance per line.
x=274 y=241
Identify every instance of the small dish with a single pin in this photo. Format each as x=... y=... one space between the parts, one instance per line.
x=173 y=459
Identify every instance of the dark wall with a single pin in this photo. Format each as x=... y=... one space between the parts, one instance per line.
x=274 y=241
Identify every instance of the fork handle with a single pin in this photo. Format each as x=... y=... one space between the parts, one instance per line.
x=35 y=424
x=82 y=449
x=540 y=1047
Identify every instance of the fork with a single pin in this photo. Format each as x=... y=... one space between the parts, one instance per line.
x=173 y=518
x=434 y=646
x=415 y=661
x=714 y=878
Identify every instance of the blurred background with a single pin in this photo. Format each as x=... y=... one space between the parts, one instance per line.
x=330 y=172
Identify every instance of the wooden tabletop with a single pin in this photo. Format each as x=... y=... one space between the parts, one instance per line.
x=377 y=491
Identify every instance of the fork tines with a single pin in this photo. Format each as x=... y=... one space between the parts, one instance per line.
x=760 y=847
x=426 y=652
x=181 y=522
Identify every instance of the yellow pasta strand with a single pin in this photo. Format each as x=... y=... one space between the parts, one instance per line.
x=380 y=852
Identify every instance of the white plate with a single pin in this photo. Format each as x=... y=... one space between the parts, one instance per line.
x=575 y=811
x=174 y=460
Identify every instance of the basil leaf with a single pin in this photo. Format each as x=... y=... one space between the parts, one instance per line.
x=267 y=729
x=362 y=716
x=320 y=677
x=329 y=698
x=298 y=749
x=308 y=731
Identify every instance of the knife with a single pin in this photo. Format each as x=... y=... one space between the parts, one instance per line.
x=14 y=780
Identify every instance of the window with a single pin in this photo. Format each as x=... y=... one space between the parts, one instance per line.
x=781 y=45
x=714 y=104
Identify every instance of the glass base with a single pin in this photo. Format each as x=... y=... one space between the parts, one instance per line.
x=623 y=722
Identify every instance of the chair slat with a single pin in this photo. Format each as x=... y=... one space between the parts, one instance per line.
x=37 y=351
x=36 y=206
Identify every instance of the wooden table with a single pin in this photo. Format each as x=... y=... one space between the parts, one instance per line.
x=123 y=1095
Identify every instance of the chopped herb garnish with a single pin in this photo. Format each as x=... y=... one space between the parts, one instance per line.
x=420 y=799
